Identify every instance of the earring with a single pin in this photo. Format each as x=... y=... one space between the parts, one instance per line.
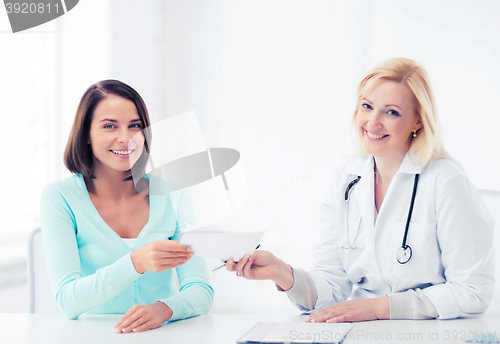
x=415 y=133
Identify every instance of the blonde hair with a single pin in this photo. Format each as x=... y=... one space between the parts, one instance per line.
x=427 y=146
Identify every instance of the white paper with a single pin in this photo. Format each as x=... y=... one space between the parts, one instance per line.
x=296 y=332
x=221 y=244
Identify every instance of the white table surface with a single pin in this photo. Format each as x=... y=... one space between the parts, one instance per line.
x=221 y=329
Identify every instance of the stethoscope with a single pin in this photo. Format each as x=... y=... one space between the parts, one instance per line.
x=403 y=255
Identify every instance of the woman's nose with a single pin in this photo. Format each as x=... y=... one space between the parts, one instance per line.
x=375 y=119
x=123 y=136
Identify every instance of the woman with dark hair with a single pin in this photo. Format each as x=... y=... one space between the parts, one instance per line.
x=112 y=248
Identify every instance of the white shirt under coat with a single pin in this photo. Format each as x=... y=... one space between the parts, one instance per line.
x=450 y=234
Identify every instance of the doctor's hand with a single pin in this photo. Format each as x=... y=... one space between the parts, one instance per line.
x=263 y=265
x=354 y=310
x=143 y=317
x=160 y=255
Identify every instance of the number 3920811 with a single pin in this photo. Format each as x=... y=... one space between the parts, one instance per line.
x=32 y=8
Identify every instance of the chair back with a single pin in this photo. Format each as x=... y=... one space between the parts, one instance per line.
x=40 y=295
x=492 y=200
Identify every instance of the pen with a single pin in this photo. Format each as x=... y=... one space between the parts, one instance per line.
x=224 y=264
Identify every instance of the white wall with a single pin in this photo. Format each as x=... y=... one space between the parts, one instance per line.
x=276 y=80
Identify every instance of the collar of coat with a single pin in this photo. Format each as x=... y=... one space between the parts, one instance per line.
x=364 y=166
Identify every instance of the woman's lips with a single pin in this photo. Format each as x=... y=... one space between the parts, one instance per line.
x=374 y=136
x=124 y=154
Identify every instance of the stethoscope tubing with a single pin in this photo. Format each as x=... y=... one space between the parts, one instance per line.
x=406 y=248
x=408 y=219
x=350 y=186
x=347 y=194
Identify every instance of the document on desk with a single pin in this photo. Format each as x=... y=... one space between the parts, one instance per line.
x=221 y=244
x=296 y=332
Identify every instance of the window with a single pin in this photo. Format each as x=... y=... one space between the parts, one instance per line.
x=27 y=105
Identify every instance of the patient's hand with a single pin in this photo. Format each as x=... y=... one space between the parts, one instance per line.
x=354 y=310
x=143 y=317
x=160 y=255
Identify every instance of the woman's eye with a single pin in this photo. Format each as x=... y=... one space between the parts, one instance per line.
x=135 y=126
x=108 y=126
x=393 y=113
x=367 y=106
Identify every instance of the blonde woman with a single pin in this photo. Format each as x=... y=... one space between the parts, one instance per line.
x=405 y=235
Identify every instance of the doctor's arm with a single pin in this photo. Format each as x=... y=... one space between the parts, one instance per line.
x=327 y=271
x=263 y=265
x=332 y=283
x=465 y=236
x=326 y=284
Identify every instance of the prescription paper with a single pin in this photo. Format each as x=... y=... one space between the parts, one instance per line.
x=221 y=244
x=296 y=332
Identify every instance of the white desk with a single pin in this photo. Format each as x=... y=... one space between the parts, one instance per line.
x=221 y=329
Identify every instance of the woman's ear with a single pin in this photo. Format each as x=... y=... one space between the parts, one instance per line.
x=418 y=125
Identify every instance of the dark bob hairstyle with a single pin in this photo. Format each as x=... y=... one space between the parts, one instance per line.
x=78 y=153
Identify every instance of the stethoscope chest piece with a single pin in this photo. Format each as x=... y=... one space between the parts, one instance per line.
x=404 y=254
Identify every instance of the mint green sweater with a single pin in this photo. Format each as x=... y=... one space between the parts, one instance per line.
x=89 y=265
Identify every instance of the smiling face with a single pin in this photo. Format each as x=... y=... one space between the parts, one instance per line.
x=115 y=135
x=386 y=119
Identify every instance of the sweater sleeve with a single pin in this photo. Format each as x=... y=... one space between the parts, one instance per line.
x=195 y=295
x=74 y=293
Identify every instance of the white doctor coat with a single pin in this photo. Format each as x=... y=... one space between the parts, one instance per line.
x=450 y=234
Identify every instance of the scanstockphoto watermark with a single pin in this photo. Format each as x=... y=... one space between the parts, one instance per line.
x=295 y=186
x=371 y=335
x=290 y=193
x=325 y=336
x=25 y=14
x=432 y=335
x=262 y=175
x=334 y=336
